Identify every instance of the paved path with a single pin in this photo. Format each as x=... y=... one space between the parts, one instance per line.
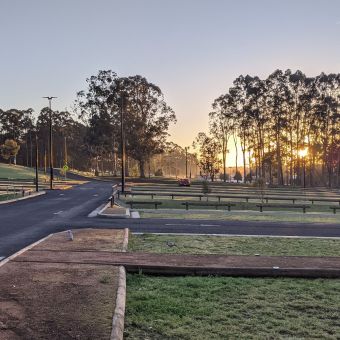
x=180 y=264
x=25 y=222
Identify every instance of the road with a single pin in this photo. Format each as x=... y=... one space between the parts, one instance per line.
x=27 y=221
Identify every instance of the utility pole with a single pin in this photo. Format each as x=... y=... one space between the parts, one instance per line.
x=51 y=146
x=36 y=164
x=122 y=138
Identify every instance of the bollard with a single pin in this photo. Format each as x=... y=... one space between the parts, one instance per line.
x=112 y=201
x=70 y=235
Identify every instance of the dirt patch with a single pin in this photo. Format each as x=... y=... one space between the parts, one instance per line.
x=85 y=239
x=54 y=300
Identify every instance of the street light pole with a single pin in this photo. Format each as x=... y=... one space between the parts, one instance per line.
x=122 y=137
x=51 y=148
x=36 y=164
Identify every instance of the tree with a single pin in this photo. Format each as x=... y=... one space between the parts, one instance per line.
x=238 y=176
x=9 y=150
x=146 y=119
x=209 y=160
x=222 y=124
x=146 y=115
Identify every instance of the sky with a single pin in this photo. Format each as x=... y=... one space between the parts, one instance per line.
x=191 y=49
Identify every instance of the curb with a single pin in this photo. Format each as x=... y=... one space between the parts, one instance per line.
x=118 y=318
x=24 y=198
x=9 y=258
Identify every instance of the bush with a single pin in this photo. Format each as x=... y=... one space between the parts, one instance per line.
x=159 y=172
x=238 y=176
x=222 y=177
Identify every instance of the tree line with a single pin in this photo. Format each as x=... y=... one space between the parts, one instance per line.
x=287 y=126
x=88 y=138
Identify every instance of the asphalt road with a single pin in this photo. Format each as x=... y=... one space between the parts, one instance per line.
x=25 y=222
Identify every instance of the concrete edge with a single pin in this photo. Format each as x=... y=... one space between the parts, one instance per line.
x=24 y=198
x=101 y=214
x=118 y=318
x=126 y=239
x=9 y=258
x=239 y=235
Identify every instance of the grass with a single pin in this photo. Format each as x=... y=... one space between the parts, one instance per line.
x=245 y=216
x=5 y=197
x=271 y=246
x=177 y=204
x=231 y=308
x=16 y=172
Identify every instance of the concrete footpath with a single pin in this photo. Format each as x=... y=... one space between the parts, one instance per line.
x=54 y=300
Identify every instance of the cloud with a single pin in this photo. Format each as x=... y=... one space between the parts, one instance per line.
x=338 y=22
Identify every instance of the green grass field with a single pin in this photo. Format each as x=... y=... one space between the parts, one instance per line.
x=271 y=246
x=231 y=308
x=238 y=204
x=16 y=172
x=246 y=216
x=227 y=307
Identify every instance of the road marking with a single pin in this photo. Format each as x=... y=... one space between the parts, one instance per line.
x=195 y=225
x=209 y=225
x=61 y=194
x=95 y=195
x=57 y=213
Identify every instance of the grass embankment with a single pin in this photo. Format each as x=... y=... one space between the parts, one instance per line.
x=271 y=246
x=232 y=308
x=16 y=172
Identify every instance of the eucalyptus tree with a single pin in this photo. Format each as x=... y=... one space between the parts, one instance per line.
x=222 y=123
x=209 y=160
x=146 y=115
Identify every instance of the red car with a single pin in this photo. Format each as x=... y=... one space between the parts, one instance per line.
x=184 y=182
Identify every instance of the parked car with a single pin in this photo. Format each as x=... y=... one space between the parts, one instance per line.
x=184 y=182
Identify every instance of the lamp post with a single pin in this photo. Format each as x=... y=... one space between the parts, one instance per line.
x=36 y=164
x=122 y=137
x=51 y=148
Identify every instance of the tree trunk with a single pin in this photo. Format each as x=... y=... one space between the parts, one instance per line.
x=142 y=168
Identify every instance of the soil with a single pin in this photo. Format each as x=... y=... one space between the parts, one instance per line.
x=53 y=300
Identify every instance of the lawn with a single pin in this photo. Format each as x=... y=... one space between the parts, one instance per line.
x=16 y=172
x=238 y=204
x=231 y=308
x=271 y=246
x=245 y=216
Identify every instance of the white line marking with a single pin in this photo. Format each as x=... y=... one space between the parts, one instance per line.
x=95 y=195
x=193 y=225
x=57 y=213
x=61 y=194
